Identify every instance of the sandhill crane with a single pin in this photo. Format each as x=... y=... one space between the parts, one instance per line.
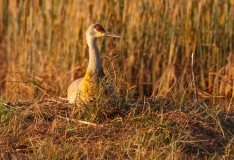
x=84 y=88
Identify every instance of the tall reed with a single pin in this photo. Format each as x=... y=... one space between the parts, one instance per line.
x=46 y=42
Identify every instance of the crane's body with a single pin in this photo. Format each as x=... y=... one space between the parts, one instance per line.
x=84 y=88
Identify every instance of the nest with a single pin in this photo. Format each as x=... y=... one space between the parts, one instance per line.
x=53 y=129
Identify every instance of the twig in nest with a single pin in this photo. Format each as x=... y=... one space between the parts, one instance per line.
x=83 y=122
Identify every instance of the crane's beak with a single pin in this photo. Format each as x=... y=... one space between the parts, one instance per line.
x=109 y=34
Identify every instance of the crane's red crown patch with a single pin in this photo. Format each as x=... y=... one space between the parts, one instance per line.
x=99 y=28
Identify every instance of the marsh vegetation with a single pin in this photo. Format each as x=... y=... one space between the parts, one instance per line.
x=43 y=49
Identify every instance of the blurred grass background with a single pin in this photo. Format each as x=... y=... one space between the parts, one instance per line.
x=45 y=46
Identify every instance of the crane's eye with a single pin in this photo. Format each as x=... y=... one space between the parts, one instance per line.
x=99 y=28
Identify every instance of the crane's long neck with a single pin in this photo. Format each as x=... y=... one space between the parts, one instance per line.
x=94 y=70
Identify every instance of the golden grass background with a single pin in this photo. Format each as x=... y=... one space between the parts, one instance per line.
x=43 y=49
x=46 y=49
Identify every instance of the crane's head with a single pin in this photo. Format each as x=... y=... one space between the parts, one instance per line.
x=97 y=31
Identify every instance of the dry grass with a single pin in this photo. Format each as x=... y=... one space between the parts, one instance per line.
x=160 y=129
x=45 y=49
x=46 y=41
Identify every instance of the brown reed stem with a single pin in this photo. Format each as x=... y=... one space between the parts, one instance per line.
x=194 y=81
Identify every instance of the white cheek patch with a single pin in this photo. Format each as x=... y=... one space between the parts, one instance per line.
x=99 y=34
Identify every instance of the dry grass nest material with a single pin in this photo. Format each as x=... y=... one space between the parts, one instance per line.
x=53 y=129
